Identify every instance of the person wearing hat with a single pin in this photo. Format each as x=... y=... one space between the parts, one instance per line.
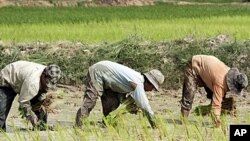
x=217 y=79
x=106 y=78
x=31 y=81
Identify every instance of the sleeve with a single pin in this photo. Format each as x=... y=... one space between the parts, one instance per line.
x=141 y=99
x=217 y=100
x=29 y=90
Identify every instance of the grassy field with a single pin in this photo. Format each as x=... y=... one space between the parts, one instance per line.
x=100 y=24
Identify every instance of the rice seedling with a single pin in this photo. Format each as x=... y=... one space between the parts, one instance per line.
x=101 y=24
x=163 y=26
x=137 y=130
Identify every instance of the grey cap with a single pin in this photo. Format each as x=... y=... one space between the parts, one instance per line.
x=236 y=81
x=53 y=74
x=155 y=77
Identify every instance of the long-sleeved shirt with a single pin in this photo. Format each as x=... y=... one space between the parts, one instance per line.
x=24 y=78
x=213 y=73
x=118 y=78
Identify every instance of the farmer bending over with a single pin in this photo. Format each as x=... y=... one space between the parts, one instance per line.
x=31 y=81
x=112 y=81
x=217 y=79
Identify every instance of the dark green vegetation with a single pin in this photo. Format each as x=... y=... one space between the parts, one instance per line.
x=62 y=15
x=135 y=52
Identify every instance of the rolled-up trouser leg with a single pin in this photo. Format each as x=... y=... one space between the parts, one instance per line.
x=7 y=96
x=89 y=102
x=83 y=112
x=189 y=87
x=110 y=101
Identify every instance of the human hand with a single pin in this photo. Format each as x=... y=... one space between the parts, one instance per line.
x=133 y=108
x=154 y=125
x=33 y=119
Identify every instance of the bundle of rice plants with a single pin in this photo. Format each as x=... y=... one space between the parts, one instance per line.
x=127 y=106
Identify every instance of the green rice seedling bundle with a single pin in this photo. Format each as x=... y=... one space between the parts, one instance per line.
x=127 y=106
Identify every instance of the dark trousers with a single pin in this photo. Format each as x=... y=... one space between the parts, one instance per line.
x=7 y=96
x=110 y=101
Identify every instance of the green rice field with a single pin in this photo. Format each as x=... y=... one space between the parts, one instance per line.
x=101 y=24
x=140 y=37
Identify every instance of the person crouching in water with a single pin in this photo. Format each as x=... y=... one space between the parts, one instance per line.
x=106 y=76
x=31 y=81
x=217 y=79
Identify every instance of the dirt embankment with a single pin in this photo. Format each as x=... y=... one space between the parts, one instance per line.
x=93 y=3
x=42 y=3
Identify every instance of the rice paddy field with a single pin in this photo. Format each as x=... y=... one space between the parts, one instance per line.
x=109 y=24
x=131 y=127
x=161 y=36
